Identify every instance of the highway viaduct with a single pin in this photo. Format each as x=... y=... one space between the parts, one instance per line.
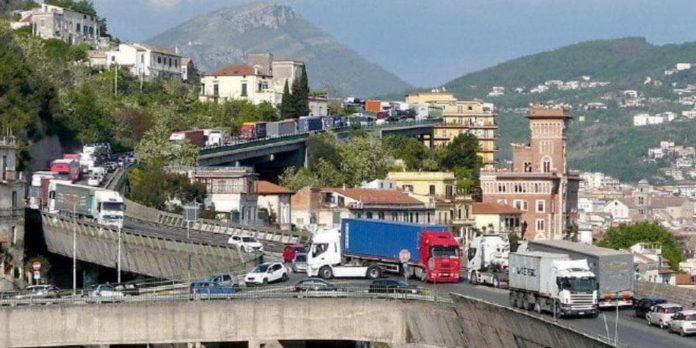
x=459 y=322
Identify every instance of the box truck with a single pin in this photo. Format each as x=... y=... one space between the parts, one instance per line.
x=551 y=282
x=101 y=205
x=614 y=268
x=309 y=124
x=194 y=136
x=281 y=128
x=487 y=260
x=252 y=130
x=366 y=248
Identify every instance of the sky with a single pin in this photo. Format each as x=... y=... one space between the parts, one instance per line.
x=429 y=42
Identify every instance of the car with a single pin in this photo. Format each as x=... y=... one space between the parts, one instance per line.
x=661 y=314
x=223 y=279
x=105 y=290
x=314 y=284
x=246 y=243
x=299 y=263
x=642 y=306
x=206 y=288
x=265 y=273
x=38 y=292
x=392 y=286
x=683 y=322
x=291 y=250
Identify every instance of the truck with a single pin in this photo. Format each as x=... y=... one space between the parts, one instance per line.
x=614 y=268
x=365 y=248
x=372 y=105
x=67 y=168
x=281 y=128
x=487 y=260
x=194 y=136
x=309 y=124
x=252 y=130
x=96 y=176
x=216 y=136
x=552 y=282
x=101 y=205
x=38 y=192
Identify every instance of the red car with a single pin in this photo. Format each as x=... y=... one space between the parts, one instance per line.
x=291 y=250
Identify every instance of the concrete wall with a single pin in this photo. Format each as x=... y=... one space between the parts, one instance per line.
x=466 y=323
x=676 y=294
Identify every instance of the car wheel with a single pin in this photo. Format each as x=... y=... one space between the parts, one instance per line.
x=682 y=333
x=373 y=272
x=513 y=300
x=326 y=272
x=662 y=325
x=285 y=277
x=265 y=281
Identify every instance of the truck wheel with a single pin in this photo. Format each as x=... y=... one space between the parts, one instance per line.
x=513 y=299
x=326 y=272
x=421 y=275
x=472 y=278
x=373 y=272
x=537 y=307
x=559 y=314
x=496 y=282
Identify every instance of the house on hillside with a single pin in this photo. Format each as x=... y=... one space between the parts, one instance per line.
x=55 y=22
x=239 y=82
x=145 y=61
x=276 y=200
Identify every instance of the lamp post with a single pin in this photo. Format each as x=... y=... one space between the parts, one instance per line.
x=190 y=216
x=72 y=199
x=118 y=256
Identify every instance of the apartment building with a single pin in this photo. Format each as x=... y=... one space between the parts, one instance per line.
x=239 y=82
x=12 y=187
x=539 y=182
x=146 y=61
x=54 y=22
x=472 y=117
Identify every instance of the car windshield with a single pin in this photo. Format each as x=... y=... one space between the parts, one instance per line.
x=300 y=250
x=248 y=239
x=670 y=309
x=301 y=258
x=442 y=251
x=261 y=268
x=578 y=284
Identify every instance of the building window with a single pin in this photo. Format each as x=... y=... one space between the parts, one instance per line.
x=540 y=205
x=77 y=28
x=216 y=90
x=358 y=215
x=13 y=235
x=527 y=167
x=394 y=216
x=540 y=224
x=159 y=60
x=368 y=215
x=380 y=215
x=520 y=204
x=407 y=188
x=244 y=89
x=432 y=189
x=449 y=191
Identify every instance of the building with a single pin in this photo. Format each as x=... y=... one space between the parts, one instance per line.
x=12 y=188
x=276 y=200
x=620 y=210
x=318 y=106
x=230 y=190
x=239 y=82
x=145 y=61
x=54 y=22
x=650 y=265
x=433 y=97
x=438 y=188
x=285 y=70
x=473 y=117
x=539 y=182
x=490 y=217
x=189 y=73
x=97 y=59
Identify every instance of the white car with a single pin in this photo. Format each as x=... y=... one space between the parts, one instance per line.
x=268 y=272
x=247 y=243
x=106 y=290
x=661 y=314
x=683 y=322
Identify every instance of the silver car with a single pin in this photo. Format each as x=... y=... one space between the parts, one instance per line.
x=299 y=263
x=683 y=322
x=661 y=314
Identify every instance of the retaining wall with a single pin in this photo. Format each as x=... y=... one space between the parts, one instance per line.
x=673 y=293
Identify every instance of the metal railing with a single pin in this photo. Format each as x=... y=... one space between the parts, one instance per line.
x=11 y=213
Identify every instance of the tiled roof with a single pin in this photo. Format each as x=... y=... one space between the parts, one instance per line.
x=234 y=70
x=157 y=49
x=185 y=60
x=668 y=202
x=376 y=197
x=493 y=208
x=268 y=188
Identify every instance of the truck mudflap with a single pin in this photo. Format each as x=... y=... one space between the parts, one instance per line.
x=613 y=303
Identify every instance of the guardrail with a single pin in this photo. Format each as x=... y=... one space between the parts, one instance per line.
x=11 y=213
x=274 y=292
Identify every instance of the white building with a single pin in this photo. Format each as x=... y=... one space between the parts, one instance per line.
x=619 y=210
x=239 y=82
x=683 y=66
x=54 y=22
x=318 y=106
x=145 y=61
x=690 y=114
x=647 y=120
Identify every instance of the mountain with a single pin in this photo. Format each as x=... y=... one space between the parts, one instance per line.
x=606 y=140
x=226 y=36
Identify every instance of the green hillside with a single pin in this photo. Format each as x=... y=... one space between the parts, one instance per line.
x=225 y=37
x=607 y=140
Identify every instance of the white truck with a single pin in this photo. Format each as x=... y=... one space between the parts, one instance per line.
x=325 y=251
x=487 y=260
x=101 y=205
x=96 y=176
x=550 y=282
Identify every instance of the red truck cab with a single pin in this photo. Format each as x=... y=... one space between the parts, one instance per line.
x=439 y=256
x=291 y=250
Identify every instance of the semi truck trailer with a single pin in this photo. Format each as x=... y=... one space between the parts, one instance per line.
x=366 y=248
x=101 y=205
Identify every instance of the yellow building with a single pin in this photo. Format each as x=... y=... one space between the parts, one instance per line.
x=430 y=98
x=474 y=117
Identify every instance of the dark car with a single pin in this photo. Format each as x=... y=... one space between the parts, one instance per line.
x=315 y=284
x=643 y=305
x=39 y=291
x=206 y=288
x=392 y=286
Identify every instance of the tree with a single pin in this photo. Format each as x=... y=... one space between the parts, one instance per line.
x=362 y=159
x=408 y=149
x=624 y=236
x=154 y=187
x=461 y=157
x=295 y=179
x=156 y=150
x=300 y=92
x=287 y=104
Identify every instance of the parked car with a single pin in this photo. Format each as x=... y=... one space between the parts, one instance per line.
x=105 y=290
x=206 y=289
x=38 y=292
x=299 y=263
x=392 y=286
x=265 y=273
x=291 y=250
x=315 y=284
x=683 y=322
x=661 y=314
x=223 y=279
x=643 y=305
x=247 y=243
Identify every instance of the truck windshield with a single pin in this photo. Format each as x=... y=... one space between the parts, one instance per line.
x=443 y=251
x=112 y=206
x=318 y=249
x=575 y=284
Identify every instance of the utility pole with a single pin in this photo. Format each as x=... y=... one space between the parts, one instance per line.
x=118 y=257
x=74 y=248
x=115 y=80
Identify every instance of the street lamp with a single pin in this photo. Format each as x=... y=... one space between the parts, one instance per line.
x=190 y=216
x=72 y=199
x=118 y=256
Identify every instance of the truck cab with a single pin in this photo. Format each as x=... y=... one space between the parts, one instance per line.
x=439 y=254
x=110 y=208
x=487 y=260
x=577 y=287
x=325 y=257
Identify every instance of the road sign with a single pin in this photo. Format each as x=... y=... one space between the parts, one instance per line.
x=404 y=256
x=190 y=213
x=36 y=266
x=37 y=275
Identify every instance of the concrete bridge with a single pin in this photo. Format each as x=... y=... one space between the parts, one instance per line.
x=463 y=322
x=152 y=253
